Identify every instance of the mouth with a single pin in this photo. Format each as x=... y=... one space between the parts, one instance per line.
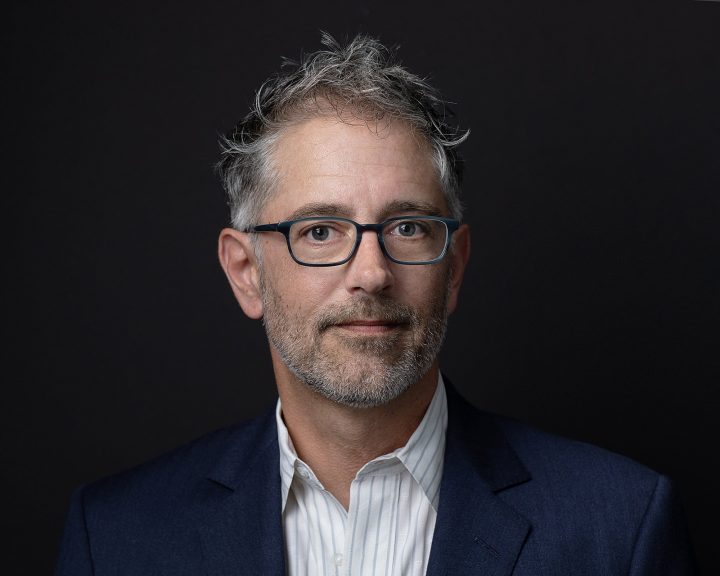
x=368 y=327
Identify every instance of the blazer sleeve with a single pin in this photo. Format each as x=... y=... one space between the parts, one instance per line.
x=662 y=546
x=75 y=559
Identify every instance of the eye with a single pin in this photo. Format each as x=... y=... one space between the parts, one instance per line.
x=411 y=229
x=407 y=228
x=319 y=233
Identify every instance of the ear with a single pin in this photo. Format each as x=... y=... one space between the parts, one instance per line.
x=460 y=254
x=238 y=260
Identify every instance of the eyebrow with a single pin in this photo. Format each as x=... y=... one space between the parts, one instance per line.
x=416 y=207
x=344 y=210
x=321 y=209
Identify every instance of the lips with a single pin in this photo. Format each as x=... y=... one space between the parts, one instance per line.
x=368 y=327
x=366 y=316
x=366 y=323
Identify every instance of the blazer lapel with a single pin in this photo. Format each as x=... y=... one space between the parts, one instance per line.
x=240 y=507
x=476 y=532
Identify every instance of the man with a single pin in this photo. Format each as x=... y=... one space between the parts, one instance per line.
x=346 y=241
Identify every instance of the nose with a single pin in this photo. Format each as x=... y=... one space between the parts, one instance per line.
x=369 y=270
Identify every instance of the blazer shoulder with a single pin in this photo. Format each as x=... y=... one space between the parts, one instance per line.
x=151 y=516
x=170 y=477
x=615 y=511
x=550 y=456
x=550 y=459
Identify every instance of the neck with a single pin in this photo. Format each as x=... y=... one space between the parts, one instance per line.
x=336 y=440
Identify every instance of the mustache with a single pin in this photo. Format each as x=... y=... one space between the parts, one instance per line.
x=388 y=311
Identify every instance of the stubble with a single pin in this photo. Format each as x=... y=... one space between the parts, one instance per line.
x=355 y=370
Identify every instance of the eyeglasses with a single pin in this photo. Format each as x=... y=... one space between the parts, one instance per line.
x=319 y=241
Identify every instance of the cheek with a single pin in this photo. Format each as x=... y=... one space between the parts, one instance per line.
x=299 y=290
x=423 y=286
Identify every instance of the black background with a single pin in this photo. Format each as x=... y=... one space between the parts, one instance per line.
x=590 y=307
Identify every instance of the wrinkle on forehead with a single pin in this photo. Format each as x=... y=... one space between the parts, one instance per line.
x=308 y=135
x=327 y=160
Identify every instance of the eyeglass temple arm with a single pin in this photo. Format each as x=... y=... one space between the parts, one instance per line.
x=264 y=228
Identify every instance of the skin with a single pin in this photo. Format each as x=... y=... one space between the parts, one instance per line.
x=367 y=173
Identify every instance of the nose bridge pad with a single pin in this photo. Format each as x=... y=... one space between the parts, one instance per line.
x=375 y=233
x=370 y=271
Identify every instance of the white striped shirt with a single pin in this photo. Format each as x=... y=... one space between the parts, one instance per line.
x=389 y=526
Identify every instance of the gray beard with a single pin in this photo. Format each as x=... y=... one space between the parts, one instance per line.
x=375 y=370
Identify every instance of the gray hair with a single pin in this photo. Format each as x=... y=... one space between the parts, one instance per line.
x=363 y=77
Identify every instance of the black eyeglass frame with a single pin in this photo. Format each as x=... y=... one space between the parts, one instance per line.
x=451 y=225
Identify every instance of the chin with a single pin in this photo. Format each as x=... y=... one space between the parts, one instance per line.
x=362 y=383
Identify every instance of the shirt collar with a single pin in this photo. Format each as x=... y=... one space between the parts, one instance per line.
x=422 y=456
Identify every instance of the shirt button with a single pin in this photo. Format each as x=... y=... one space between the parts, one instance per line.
x=337 y=559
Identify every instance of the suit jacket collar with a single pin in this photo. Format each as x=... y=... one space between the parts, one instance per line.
x=239 y=504
x=475 y=531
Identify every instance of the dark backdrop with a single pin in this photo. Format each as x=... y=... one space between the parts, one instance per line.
x=590 y=306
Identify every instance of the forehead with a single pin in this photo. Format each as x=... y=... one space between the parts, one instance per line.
x=362 y=169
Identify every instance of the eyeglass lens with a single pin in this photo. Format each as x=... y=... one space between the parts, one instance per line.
x=325 y=240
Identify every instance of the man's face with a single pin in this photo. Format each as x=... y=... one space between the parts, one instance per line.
x=360 y=333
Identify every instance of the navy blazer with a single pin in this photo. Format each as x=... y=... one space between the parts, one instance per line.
x=513 y=500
